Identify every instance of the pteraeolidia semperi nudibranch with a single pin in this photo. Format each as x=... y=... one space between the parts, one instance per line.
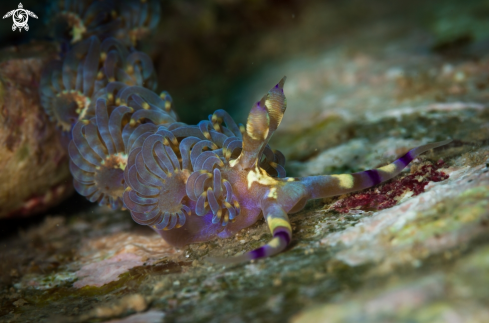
x=188 y=195
x=189 y=183
x=69 y=88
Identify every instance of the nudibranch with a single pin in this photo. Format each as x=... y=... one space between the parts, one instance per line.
x=69 y=88
x=100 y=145
x=195 y=183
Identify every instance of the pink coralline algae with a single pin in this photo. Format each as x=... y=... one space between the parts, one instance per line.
x=390 y=193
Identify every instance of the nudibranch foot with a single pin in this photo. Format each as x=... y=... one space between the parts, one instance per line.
x=322 y=186
x=279 y=225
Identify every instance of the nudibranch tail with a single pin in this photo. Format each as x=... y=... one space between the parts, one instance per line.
x=279 y=225
x=322 y=186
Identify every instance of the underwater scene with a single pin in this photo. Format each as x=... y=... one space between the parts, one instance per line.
x=244 y=161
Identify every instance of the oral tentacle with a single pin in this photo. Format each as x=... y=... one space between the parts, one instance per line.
x=322 y=186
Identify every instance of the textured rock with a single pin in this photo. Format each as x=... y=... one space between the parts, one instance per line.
x=353 y=106
x=34 y=174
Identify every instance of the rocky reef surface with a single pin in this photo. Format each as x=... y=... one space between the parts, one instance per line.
x=414 y=249
x=34 y=174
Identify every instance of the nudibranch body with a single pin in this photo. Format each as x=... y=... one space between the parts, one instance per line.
x=195 y=183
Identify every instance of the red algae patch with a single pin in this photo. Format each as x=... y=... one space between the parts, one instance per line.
x=389 y=194
x=447 y=216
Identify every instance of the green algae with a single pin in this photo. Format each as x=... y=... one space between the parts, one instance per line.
x=443 y=286
x=456 y=124
x=450 y=216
